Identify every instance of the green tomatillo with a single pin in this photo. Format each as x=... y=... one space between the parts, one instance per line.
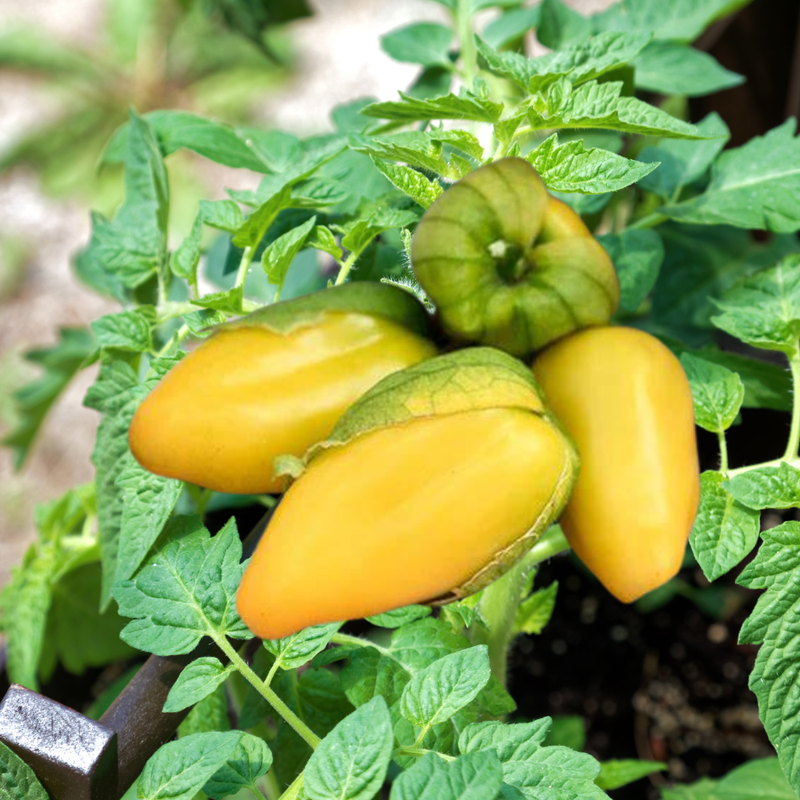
x=508 y=265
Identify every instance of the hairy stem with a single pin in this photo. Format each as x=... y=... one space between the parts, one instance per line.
x=345 y=268
x=293 y=791
x=302 y=730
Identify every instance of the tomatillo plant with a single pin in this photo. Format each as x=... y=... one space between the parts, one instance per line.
x=563 y=255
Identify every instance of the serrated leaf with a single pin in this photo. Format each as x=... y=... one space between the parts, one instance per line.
x=426 y=43
x=411 y=182
x=435 y=693
x=682 y=162
x=359 y=235
x=225 y=215
x=299 y=648
x=755 y=186
x=184 y=259
x=717 y=393
x=250 y=760
x=538 y=772
x=126 y=330
x=186 y=590
x=775 y=679
x=602 y=105
x=415 y=148
x=759 y=779
x=210 y=714
x=724 y=530
x=321 y=238
x=385 y=671
x=581 y=62
x=637 y=256
x=570 y=167
x=561 y=26
x=621 y=772
x=33 y=401
x=227 y=303
x=534 y=612
x=767 y=487
x=197 y=680
x=400 y=616
x=180 y=769
x=672 y=68
x=463 y=140
x=351 y=761
x=475 y=776
x=763 y=310
x=278 y=256
x=449 y=106
x=255 y=226
x=17 y=780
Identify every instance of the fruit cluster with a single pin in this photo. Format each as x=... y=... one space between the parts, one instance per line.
x=420 y=478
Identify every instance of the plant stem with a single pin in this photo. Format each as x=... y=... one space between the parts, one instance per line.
x=650 y=221
x=345 y=268
x=300 y=728
x=345 y=638
x=469 y=55
x=792 y=462
x=244 y=265
x=418 y=752
x=794 y=432
x=499 y=602
x=293 y=791
x=723 y=452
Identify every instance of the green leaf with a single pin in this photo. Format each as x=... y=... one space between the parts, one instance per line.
x=225 y=303
x=225 y=215
x=183 y=261
x=116 y=394
x=318 y=700
x=560 y=26
x=126 y=330
x=78 y=635
x=253 y=19
x=351 y=761
x=435 y=693
x=400 y=616
x=411 y=182
x=299 y=648
x=637 y=255
x=197 y=680
x=616 y=773
x=767 y=487
x=147 y=502
x=449 y=106
x=321 y=238
x=415 y=148
x=602 y=105
x=23 y=48
x=33 y=401
x=700 y=264
x=568 y=730
x=278 y=256
x=17 y=780
x=511 y=26
x=358 y=236
x=775 y=679
x=678 y=20
x=250 y=760
x=180 y=769
x=255 y=226
x=232 y=147
x=476 y=776
x=763 y=310
x=538 y=772
x=724 y=530
x=134 y=246
x=463 y=140
x=682 y=162
x=755 y=186
x=759 y=779
x=186 y=590
x=717 y=393
x=386 y=670
x=672 y=68
x=210 y=714
x=581 y=62
x=535 y=611
x=426 y=43
x=570 y=167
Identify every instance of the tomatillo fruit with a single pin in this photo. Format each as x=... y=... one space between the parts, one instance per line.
x=625 y=401
x=275 y=382
x=510 y=266
x=435 y=483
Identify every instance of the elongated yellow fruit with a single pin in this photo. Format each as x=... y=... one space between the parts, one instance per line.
x=624 y=399
x=402 y=515
x=220 y=417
